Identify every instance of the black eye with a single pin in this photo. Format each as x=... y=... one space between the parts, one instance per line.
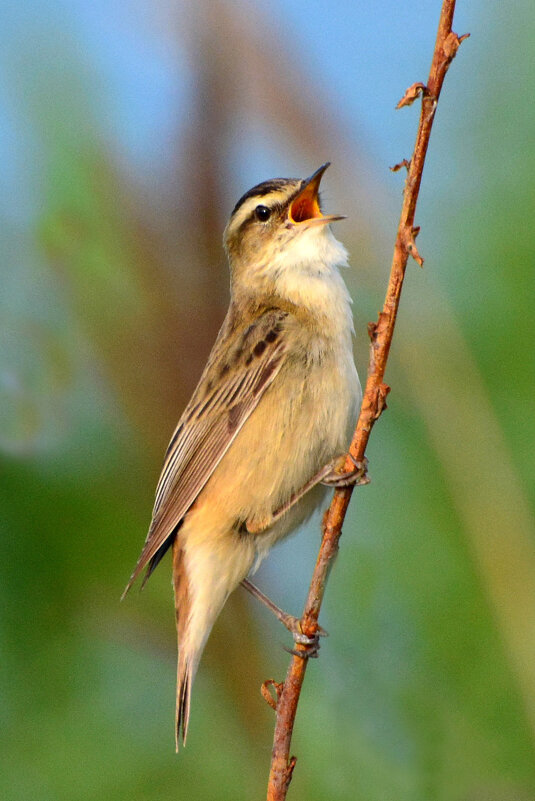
x=262 y=213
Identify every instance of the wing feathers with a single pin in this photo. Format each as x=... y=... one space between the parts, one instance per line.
x=239 y=370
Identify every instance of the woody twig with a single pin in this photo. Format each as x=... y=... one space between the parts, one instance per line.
x=374 y=400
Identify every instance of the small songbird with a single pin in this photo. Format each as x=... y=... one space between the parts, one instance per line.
x=270 y=421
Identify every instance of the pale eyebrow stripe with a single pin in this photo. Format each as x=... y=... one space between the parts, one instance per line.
x=278 y=198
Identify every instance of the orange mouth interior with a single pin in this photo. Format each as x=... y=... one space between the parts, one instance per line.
x=305 y=206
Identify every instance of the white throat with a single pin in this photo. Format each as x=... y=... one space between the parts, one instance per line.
x=306 y=272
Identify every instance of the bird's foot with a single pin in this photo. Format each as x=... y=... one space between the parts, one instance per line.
x=293 y=624
x=335 y=476
x=311 y=646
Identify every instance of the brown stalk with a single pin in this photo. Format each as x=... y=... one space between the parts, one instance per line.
x=374 y=400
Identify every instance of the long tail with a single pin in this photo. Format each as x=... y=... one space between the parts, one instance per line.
x=186 y=666
x=201 y=584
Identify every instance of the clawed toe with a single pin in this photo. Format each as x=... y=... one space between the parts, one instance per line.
x=352 y=478
x=310 y=652
x=304 y=639
x=293 y=624
x=311 y=644
x=360 y=466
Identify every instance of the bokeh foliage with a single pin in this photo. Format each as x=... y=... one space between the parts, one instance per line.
x=113 y=289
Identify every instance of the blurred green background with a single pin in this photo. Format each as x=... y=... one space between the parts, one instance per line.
x=127 y=132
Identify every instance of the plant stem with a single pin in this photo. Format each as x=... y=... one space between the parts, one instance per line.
x=374 y=399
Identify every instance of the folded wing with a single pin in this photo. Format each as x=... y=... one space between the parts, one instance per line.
x=240 y=369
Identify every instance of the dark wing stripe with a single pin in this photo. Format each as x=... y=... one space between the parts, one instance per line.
x=174 y=438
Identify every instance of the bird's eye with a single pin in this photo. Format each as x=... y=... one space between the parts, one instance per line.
x=262 y=213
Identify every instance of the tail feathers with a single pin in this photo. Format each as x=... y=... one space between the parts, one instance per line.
x=185 y=675
x=186 y=661
x=201 y=587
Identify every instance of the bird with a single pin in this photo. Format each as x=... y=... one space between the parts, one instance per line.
x=267 y=429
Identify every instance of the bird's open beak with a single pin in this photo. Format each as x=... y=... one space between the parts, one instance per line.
x=305 y=206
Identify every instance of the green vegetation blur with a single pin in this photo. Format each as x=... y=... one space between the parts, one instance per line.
x=113 y=289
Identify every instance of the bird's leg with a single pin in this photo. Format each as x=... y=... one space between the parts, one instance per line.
x=332 y=475
x=289 y=621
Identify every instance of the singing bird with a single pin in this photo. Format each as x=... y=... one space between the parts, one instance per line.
x=266 y=431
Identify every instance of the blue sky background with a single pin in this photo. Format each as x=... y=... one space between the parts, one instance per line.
x=137 y=76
